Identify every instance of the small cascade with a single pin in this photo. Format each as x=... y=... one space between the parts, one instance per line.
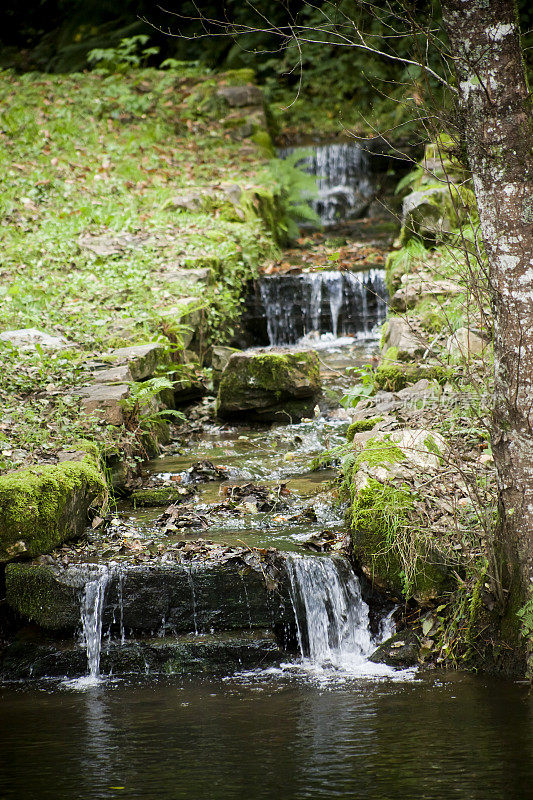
x=328 y=301
x=343 y=179
x=331 y=616
x=92 y=606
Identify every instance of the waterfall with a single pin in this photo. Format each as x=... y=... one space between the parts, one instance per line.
x=92 y=606
x=326 y=301
x=331 y=616
x=343 y=179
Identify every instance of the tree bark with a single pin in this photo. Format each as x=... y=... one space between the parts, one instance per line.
x=498 y=135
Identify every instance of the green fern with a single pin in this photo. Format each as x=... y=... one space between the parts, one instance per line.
x=296 y=189
x=409 y=179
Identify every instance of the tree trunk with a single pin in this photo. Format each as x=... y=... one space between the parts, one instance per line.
x=498 y=135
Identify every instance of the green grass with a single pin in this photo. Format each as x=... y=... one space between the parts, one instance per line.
x=104 y=155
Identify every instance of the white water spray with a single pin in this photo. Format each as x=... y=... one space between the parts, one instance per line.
x=92 y=606
x=331 y=615
x=328 y=301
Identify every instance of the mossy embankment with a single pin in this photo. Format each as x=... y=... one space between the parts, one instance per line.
x=135 y=207
x=418 y=470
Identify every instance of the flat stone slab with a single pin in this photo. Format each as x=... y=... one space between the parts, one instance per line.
x=27 y=338
x=120 y=374
x=153 y=599
x=40 y=657
x=104 y=400
x=142 y=360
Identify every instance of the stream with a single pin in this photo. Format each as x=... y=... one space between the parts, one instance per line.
x=321 y=721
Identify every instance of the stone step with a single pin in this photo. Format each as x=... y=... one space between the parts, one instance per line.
x=156 y=599
x=34 y=657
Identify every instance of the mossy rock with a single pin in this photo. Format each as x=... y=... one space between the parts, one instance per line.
x=159 y=496
x=436 y=211
x=361 y=425
x=390 y=543
x=37 y=593
x=238 y=77
x=381 y=527
x=178 y=597
x=41 y=507
x=401 y=650
x=275 y=386
x=393 y=376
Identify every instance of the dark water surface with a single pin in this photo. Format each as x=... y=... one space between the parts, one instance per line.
x=439 y=737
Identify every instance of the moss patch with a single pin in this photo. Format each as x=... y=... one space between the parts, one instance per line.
x=391 y=377
x=386 y=545
x=42 y=507
x=35 y=593
x=361 y=425
x=281 y=386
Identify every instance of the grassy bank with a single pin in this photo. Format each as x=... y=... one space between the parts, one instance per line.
x=112 y=184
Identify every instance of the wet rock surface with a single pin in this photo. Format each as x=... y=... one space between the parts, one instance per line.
x=219 y=588
x=401 y=650
x=280 y=386
x=34 y=656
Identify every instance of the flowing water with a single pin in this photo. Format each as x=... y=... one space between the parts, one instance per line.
x=328 y=301
x=92 y=604
x=322 y=725
x=344 y=183
x=332 y=617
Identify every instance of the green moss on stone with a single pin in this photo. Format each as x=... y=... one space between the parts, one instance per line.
x=391 y=377
x=382 y=538
x=238 y=77
x=379 y=451
x=160 y=496
x=270 y=385
x=361 y=425
x=35 y=593
x=43 y=506
x=263 y=140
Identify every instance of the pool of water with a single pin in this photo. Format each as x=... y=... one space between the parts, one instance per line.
x=266 y=736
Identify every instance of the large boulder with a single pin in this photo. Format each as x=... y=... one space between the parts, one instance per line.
x=43 y=506
x=280 y=386
x=405 y=336
x=433 y=213
x=390 y=542
x=464 y=344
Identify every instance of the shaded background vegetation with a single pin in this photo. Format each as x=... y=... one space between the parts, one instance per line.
x=56 y=35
